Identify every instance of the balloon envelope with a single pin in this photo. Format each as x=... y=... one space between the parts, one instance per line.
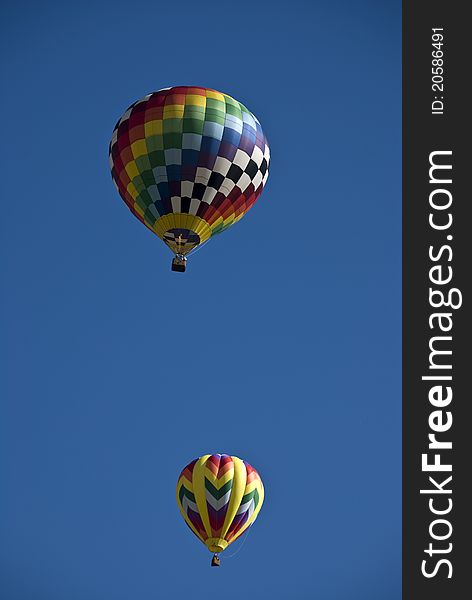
x=219 y=496
x=189 y=162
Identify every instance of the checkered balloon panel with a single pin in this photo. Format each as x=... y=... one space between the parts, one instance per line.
x=189 y=162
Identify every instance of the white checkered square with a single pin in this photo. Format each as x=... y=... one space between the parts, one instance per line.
x=244 y=181
x=209 y=194
x=241 y=159
x=257 y=156
x=257 y=180
x=186 y=189
x=176 y=204
x=194 y=206
x=222 y=165
x=202 y=175
x=227 y=186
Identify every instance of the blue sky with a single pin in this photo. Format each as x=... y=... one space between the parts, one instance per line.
x=281 y=343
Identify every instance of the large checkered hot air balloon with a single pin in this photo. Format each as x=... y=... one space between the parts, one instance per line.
x=219 y=496
x=189 y=162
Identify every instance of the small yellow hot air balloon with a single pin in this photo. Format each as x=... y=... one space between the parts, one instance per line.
x=219 y=496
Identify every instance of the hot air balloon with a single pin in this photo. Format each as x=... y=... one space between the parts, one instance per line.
x=189 y=162
x=219 y=496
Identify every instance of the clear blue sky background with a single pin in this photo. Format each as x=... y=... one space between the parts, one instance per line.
x=281 y=343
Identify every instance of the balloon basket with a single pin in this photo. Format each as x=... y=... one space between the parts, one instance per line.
x=178 y=264
x=215 y=561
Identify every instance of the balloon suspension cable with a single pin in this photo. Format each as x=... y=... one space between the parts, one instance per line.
x=197 y=248
x=240 y=546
